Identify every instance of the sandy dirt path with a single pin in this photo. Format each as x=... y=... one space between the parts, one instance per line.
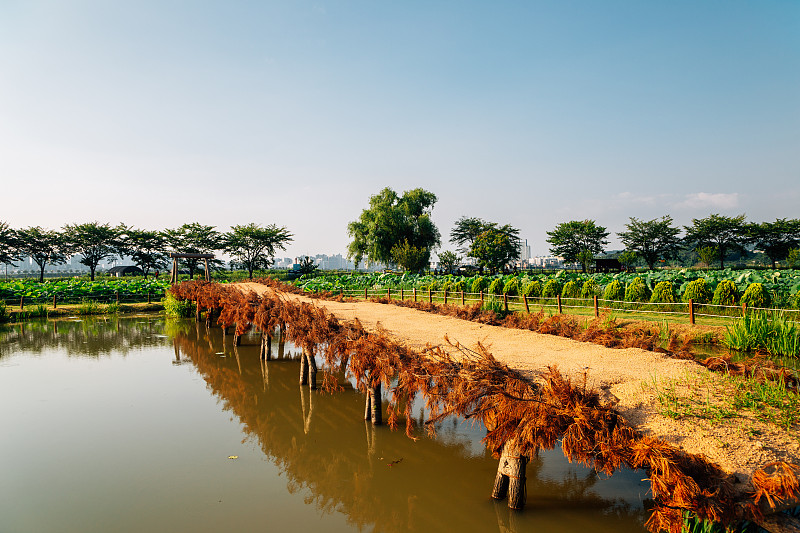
x=631 y=378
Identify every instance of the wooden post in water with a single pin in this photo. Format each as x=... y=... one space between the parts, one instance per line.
x=373 y=409
x=525 y=300
x=510 y=479
x=303 y=369
x=596 y=309
x=265 y=352
x=311 y=363
x=558 y=300
x=691 y=311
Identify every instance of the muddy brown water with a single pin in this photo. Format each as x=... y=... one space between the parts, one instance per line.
x=142 y=424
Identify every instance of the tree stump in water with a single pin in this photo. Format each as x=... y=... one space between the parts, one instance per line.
x=510 y=479
x=265 y=352
x=303 y=369
x=373 y=409
x=311 y=364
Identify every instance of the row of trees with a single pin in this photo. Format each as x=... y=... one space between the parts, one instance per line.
x=398 y=230
x=251 y=245
x=713 y=238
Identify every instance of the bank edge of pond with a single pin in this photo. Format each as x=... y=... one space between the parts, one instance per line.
x=680 y=481
x=16 y=315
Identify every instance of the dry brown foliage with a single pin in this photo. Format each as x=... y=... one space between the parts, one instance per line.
x=537 y=412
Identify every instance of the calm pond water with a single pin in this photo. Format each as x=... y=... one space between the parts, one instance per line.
x=127 y=424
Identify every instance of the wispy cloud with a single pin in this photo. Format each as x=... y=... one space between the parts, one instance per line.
x=717 y=200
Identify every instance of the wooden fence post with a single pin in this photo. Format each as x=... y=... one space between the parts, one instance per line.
x=558 y=300
x=744 y=308
x=148 y=297
x=525 y=299
x=402 y=294
x=430 y=296
x=22 y=302
x=117 y=294
x=691 y=311
x=415 y=294
x=462 y=298
x=596 y=309
x=505 y=302
x=481 y=297
x=445 y=297
x=54 y=301
x=389 y=294
x=365 y=293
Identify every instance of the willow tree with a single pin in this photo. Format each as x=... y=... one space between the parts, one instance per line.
x=392 y=220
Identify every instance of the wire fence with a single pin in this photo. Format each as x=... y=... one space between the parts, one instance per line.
x=108 y=298
x=594 y=305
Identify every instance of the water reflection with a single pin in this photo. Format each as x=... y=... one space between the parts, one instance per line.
x=381 y=479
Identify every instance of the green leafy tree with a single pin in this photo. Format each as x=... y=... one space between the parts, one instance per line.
x=775 y=239
x=652 y=239
x=570 y=239
x=194 y=238
x=307 y=266
x=9 y=245
x=254 y=246
x=792 y=257
x=391 y=220
x=466 y=230
x=494 y=248
x=448 y=261
x=727 y=234
x=93 y=241
x=45 y=247
x=627 y=259
x=409 y=257
x=707 y=254
x=147 y=249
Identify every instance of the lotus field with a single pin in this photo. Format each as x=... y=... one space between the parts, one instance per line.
x=775 y=288
x=77 y=290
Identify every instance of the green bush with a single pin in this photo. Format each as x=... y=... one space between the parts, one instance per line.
x=496 y=286
x=698 y=291
x=663 y=292
x=756 y=296
x=795 y=303
x=725 y=293
x=479 y=284
x=637 y=291
x=177 y=308
x=571 y=290
x=446 y=286
x=533 y=289
x=551 y=289
x=511 y=287
x=614 y=291
x=458 y=286
x=589 y=289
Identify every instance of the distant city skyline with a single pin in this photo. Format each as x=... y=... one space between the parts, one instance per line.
x=294 y=113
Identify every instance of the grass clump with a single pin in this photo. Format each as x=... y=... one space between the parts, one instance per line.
x=177 y=308
x=764 y=331
x=725 y=293
x=698 y=291
x=663 y=292
x=571 y=290
x=637 y=291
x=614 y=291
x=88 y=307
x=756 y=296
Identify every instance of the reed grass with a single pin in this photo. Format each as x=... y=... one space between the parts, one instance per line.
x=763 y=331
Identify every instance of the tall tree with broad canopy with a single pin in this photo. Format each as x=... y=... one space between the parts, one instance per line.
x=448 y=261
x=727 y=234
x=254 y=246
x=652 y=239
x=572 y=240
x=194 y=238
x=93 y=242
x=466 y=230
x=392 y=220
x=775 y=239
x=45 y=247
x=409 y=257
x=495 y=247
x=9 y=245
x=146 y=248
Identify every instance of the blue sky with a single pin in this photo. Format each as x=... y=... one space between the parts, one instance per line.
x=292 y=112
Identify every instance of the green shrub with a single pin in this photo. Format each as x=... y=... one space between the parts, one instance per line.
x=511 y=287
x=479 y=284
x=725 y=293
x=756 y=296
x=571 y=290
x=589 y=289
x=637 y=291
x=698 y=291
x=533 y=289
x=458 y=286
x=494 y=304
x=177 y=308
x=551 y=289
x=496 y=286
x=112 y=308
x=795 y=303
x=88 y=307
x=614 y=291
x=663 y=292
x=446 y=286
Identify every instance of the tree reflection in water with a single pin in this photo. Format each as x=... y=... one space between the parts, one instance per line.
x=387 y=482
